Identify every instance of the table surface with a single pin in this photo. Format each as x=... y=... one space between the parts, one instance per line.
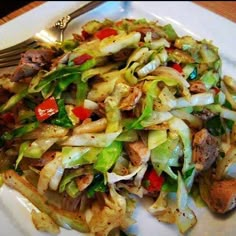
x=226 y=9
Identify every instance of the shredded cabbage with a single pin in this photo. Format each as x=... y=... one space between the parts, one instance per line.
x=130 y=99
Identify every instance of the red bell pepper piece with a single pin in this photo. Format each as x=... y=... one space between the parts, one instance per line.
x=155 y=181
x=81 y=112
x=82 y=59
x=177 y=67
x=46 y=109
x=104 y=33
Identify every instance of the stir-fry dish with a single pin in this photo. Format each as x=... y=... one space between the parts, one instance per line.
x=121 y=111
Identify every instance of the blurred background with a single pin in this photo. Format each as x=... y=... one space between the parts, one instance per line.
x=6 y=8
x=12 y=9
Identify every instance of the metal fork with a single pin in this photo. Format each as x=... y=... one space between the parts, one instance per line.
x=10 y=56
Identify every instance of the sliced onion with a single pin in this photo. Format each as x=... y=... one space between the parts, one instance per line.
x=226 y=168
x=137 y=54
x=149 y=67
x=139 y=177
x=48 y=171
x=167 y=98
x=155 y=44
x=228 y=95
x=228 y=114
x=185 y=217
x=159 y=207
x=199 y=99
x=91 y=105
x=172 y=74
x=193 y=121
x=55 y=180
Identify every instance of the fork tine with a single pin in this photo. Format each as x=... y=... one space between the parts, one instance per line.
x=9 y=63
x=19 y=45
x=11 y=57
x=17 y=50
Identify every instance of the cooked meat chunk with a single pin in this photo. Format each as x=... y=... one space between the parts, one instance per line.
x=24 y=71
x=41 y=57
x=122 y=55
x=205 y=149
x=197 y=87
x=223 y=195
x=84 y=181
x=32 y=61
x=38 y=163
x=138 y=152
x=129 y=102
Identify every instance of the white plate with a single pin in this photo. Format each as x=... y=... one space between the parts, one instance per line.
x=187 y=18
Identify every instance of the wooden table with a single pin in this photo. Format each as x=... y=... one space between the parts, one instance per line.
x=226 y=9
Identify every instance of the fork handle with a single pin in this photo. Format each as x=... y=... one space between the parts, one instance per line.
x=64 y=21
x=87 y=7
